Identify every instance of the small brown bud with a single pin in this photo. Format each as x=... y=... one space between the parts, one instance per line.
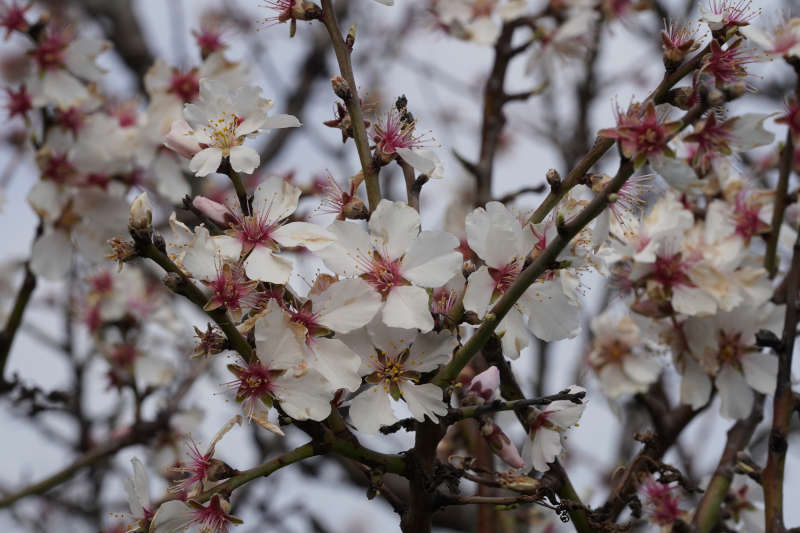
x=553 y=179
x=341 y=88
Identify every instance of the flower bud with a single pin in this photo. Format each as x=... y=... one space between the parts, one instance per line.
x=141 y=216
x=340 y=87
x=502 y=447
x=180 y=140
x=355 y=209
x=213 y=210
x=484 y=384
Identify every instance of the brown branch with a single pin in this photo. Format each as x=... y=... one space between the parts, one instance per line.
x=708 y=510
x=351 y=99
x=771 y=259
x=783 y=404
x=15 y=317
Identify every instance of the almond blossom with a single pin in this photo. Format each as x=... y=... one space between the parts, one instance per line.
x=544 y=441
x=622 y=356
x=392 y=361
x=396 y=259
x=725 y=347
x=222 y=121
x=279 y=374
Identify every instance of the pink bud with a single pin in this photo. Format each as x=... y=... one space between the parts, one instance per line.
x=213 y=210
x=502 y=447
x=485 y=383
x=180 y=140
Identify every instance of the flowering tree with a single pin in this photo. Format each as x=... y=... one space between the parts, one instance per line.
x=336 y=325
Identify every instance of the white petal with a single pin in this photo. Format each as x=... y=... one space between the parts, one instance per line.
x=677 y=173
x=346 y=305
x=275 y=199
x=692 y=301
x=393 y=227
x=642 y=368
x=311 y=236
x=515 y=335
x=281 y=121
x=205 y=161
x=306 y=397
x=551 y=316
x=431 y=350
x=495 y=234
x=736 y=395
x=263 y=265
x=391 y=341
x=760 y=371
x=172 y=517
x=565 y=413
x=417 y=159
x=371 y=409
x=695 y=384
x=337 y=363
x=347 y=255
x=244 y=159
x=423 y=400
x=407 y=307
x=543 y=449
x=51 y=255
x=432 y=260
x=748 y=132
x=478 y=295
x=280 y=343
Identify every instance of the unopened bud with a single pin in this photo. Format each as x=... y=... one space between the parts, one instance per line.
x=681 y=97
x=341 y=88
x=209 y=342
x=180 y=139
x=553 y=179
x=502 y=447
x=484 y=384
x=521 y=484
x=141 y=217
x=716 y=97
x=735 y=90
x=213 y=210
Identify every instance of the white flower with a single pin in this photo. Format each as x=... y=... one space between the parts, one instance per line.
x=340 y=307
x=569 y=40
x=783 y=40
x=725 y=346
x=261 y=233
x=221 y=120
x=397 y=260
x=62 y=61
x=498 y=237
x=544 y=439
x=621 y=355
x=279 y=373
x=392 y=361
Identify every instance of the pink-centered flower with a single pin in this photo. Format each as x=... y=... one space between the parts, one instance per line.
x=195 y=470
x=138 y=492
x=12 y=16
x=393 y=360
x=397 y=260
x=783 y=40
x=728 y=13
x=19 y=102
x=641 y=133
x=661 y=502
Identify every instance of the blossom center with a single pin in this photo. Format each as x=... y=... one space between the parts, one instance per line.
x=384 y=274
x=185 y=85
x=504 y=276
x=50 y=52
x=670 y=271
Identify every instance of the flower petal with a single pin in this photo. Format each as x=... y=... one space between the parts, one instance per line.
x=407 y=307
x=311 y=236
x=244 y=159
x=346 y=305
x=264 y=265
x=205 y=161
x=431 y=259
x=393 y=227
